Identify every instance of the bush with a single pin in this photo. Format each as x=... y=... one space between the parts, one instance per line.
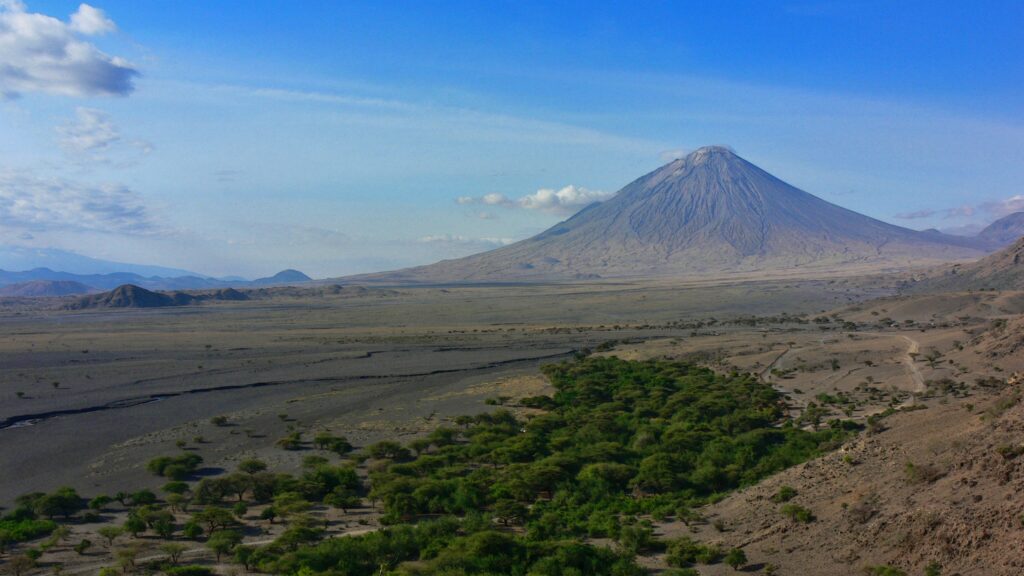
x=736 y=558
x=26 y=529
x=685 y=551
x=923 y=473
x=883 y=571
x=189 y=571
x=785 y=494
x=797 y=513
x=175 y=467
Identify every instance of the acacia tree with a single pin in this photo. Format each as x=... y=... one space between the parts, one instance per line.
x=223 y=542
x=110 y=533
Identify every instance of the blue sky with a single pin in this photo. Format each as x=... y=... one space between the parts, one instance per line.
x=242 y=138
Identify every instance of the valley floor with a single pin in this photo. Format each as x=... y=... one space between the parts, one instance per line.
x=87 y=398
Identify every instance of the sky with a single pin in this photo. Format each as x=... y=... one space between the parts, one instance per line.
x=234 y=138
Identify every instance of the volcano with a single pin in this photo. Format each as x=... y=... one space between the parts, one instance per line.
x=709 y=213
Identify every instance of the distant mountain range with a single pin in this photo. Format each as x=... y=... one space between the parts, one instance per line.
x=709 y=213
x=47 y=282
x=25 y=258
x=39 y=288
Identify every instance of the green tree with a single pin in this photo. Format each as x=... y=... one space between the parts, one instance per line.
x=110 y=533
x=223 y=542
x=192 y=530
x=134 y=525
x=214 y=518
x=173 y=550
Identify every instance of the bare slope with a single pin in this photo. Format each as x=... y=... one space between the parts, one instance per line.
x=707 y=213
x=1003 y=270
x=1004 y=231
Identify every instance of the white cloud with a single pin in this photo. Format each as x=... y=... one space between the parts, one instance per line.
x=41 y=53
x=563 y=201
x=91 y=21
x=30 y=202
x=456 y=240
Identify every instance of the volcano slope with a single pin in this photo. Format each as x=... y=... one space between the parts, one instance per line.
x=709 y=213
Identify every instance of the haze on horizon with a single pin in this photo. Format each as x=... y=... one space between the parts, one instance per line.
x=340 y=139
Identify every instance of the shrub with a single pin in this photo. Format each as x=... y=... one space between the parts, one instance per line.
x=175 y=467
x=292 y=441
x=736 y=558
x=252 y=466
x=686 y=551
x=883 y=571
x=923 y=473
x=797 y=513
x=189 y=571
x=785 y=494
x=25 y=529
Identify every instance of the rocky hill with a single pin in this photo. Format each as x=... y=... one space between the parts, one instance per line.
x=130 y=296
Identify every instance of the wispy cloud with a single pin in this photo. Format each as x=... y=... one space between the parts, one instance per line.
x=41 y=53
x=92 y=136
x=990 y=210
x=90 y=131
x=1005 y=207
x=33 y=203
x=916 y=215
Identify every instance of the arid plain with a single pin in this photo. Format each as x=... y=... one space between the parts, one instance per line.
x=102 y=391
x=88 y=397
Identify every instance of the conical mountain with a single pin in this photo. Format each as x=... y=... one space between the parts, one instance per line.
x=708 y=213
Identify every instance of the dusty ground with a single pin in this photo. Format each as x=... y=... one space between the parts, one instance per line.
x=102 y=392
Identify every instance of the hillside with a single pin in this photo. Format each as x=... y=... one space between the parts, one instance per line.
x=1003 y=232
x=1003 y=270
x=709 y=213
